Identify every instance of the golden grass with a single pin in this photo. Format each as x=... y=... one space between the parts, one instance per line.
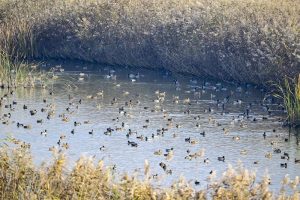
x=20 y=179
x=242 y=40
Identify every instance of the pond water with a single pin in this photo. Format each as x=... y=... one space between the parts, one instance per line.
x=163 y=111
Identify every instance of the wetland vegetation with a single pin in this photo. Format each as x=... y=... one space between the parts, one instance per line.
x=246 y=41
x=83 y=116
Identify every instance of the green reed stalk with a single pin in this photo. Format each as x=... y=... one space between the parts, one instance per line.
x=289 y=92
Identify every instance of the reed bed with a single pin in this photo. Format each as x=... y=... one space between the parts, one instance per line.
x=289 y=93
x=14 y=73
x=242 y=40
x=21 y=179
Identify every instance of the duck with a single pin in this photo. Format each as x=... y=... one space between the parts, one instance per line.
x=193 y=141
x=202 y=133
x=243 y=152
x=33 y=112
x=286 y=155
x=62 y=137
x=133 y=144
x=158 y=153
x=27 y=126
x=187 y=139
x=283 y=165
x=236 y=138
x=19 y=124
x=44 y=133
x=169 y=150
x=102 y=148
x=221 y=158
x=277 y=151
x=77 y=123
x=206 y=160
x=163 y=166
x=297 y=161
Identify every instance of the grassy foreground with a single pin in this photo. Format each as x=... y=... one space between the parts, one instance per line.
x=242 y=40
x=20 y=179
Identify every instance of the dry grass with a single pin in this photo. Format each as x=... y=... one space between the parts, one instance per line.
x=242 y=40
x=20 y=179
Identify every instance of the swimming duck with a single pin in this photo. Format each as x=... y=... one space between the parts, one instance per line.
x=33 y=112
x=158 y=153
x=202 y=133
x=283 y=165
x=102 y=148
x=187 y=139
x=44 y=133
x=277 y=151
x=244 y=152
x=27 y=126
x=221 y=158
x=236 y=138
x=163 y=165
x=77 y=123
x=133 y=144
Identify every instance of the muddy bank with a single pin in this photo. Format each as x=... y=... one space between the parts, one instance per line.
x=242 y=41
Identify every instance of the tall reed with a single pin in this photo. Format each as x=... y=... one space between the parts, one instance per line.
x=289 y=92
x=15 y=73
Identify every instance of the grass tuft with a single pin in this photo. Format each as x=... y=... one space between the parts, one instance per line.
x=289 y=92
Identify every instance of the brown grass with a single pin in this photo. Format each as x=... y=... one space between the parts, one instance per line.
x=20 y=179
x=242 y=40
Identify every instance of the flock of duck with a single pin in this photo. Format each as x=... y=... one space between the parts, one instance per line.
x=134 y=137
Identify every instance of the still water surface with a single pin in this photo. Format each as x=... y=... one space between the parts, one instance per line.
x=228 y=130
